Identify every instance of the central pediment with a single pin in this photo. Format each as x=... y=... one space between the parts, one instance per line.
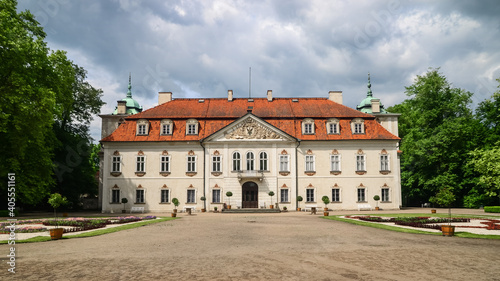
x=249 y=127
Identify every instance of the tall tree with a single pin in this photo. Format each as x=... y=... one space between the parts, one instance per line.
x=45 y=110
x=437 y=130
x=27 y=104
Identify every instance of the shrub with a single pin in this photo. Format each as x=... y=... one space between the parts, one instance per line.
x=492 y=209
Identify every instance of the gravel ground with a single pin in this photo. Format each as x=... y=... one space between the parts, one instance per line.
x=286 y=246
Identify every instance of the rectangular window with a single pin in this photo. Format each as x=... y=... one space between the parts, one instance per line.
x=236 y=162
x=310 y=195
x=333 y=128
x=216 y=196
x=141 y=163
x=115 y=196
x=310 y=163
x=360 y=163
x=192 y=129
x=308 y=129
x=335 y=195
x=358 y=128
x=191 y=193
x=191 y=164
x=284 y=195
x=139 y=196
x=384 y=162
x=141 y=129
x=116 y=167
x=385 y=195
x=334 y=163
x=165 y=129
x=216 y=164
x=165 y=196
x=284 y=163
x=164 y=164
x=361 y=195
x=263 y=161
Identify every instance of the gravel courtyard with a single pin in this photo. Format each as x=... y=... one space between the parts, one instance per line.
x=286 y=246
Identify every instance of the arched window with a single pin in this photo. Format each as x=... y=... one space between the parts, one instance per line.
x=250 y=161
x=236 y=161
x=263 y=162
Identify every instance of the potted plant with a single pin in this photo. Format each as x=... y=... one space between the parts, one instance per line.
x=326 y=200
x=124 y=201
x=203 y=198
x=56 y=200
x=215 y=209
x=376 y=198
x=271 y=193
x=229 y=194
x=299 y=199
x=285 y=209
x=175 y=201
x=445 y=197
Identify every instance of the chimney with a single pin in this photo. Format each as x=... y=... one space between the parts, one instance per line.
x=335 y=96
x=229 y=95
x=375 y=105
x=269 y=95
x=164 y=97
x=122 y=107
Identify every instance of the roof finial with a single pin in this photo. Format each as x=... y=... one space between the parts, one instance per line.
x=129 y=93
x=369 y=93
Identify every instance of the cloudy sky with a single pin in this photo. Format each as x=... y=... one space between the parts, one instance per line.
x=297 y=48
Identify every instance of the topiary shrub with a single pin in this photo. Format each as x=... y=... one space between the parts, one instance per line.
x=492 y=209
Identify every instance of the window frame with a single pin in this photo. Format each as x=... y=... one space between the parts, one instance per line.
x=263 y=162
x=236 y=159
x=358 y=126
x=385 y=163
x=284 y=195
x=285 y=165
x=140 y=196
x=310 y=196
x=140 y=166
x=165 y=164
x=336 y=163
x=385 y=197
x=336 y=195
x=310 y=162
x=308 y=127
x=216 y=196
x=361 y=194
x=191 y=161
x=360 y=163
x=333 y=127
x=216 y=164
x=250 y=161
x=162 y=197
x=116 y=164
x=191 y=196
x=113 y=201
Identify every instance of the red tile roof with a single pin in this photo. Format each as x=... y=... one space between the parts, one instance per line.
x=283 y=113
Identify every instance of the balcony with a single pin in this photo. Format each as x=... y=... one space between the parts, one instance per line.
x=250 y=174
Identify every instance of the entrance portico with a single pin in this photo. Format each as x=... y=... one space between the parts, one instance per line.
x=250 y=195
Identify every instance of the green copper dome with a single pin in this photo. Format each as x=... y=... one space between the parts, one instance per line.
x=132 y=106
x=365 y=105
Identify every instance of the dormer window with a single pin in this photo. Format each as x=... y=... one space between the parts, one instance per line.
x=332 y=126
x=358 y=126
x=166 y=127
x=308 y=126
x=192 y=127
x=142 y=127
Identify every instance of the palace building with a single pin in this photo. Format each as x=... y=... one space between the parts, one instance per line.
x=195 y=149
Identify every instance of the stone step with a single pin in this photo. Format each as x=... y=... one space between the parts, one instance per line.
x=251 y=210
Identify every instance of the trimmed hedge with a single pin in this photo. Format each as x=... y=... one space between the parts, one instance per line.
x=492 y=209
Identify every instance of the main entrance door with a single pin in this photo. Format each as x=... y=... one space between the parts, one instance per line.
x=250 y=195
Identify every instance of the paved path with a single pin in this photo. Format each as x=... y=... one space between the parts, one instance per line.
x=287 y=246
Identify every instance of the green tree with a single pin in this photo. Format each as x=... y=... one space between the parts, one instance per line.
x=27 y=104
x=486 y=162
x=45 y=110
x=437 y=130
x=488 y=113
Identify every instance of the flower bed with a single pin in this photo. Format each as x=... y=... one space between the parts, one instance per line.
x=420 y=222
x=69 y=224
